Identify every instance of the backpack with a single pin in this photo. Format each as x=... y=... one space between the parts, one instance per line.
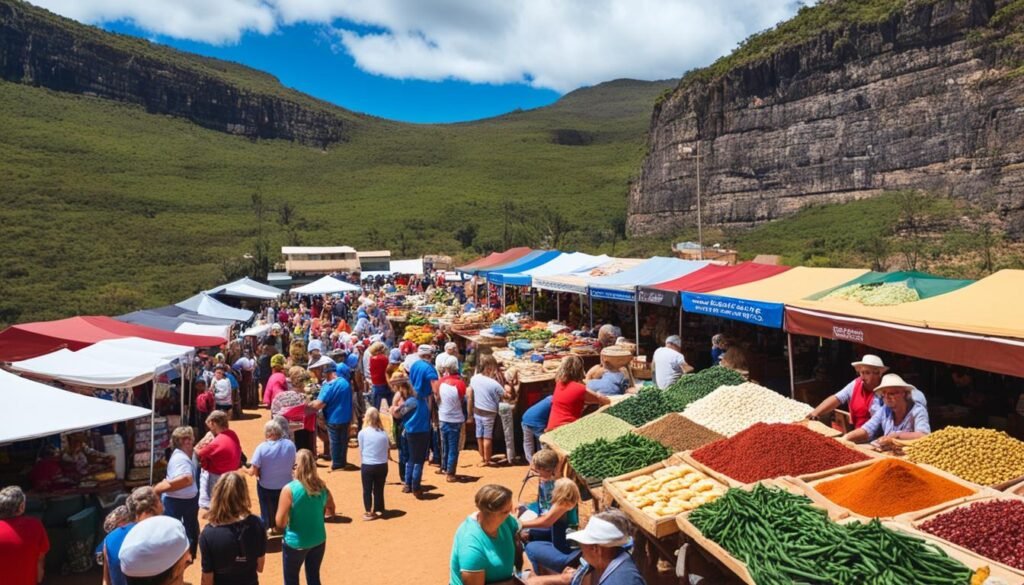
x=205 y=402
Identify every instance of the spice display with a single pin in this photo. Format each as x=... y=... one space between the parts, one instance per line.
x=890 y=487
x=876 y=295
x=693 y=387
x=993 y=529
x=730 y=409
x=784 y=540
x=604 y=458
x=773 y=450
x=670 y=491
x=587 y=430
x=678 y=433
x=982 y=456
x=641 y=408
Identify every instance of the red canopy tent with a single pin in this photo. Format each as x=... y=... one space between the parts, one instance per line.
x=707 y=279
x=29 y=340
x=494 y=259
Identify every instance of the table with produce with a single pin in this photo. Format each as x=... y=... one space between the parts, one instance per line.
x=733 y=469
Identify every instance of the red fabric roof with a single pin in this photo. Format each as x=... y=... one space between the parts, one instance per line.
x=29 y=340
x=495 y=258
x=714 y=277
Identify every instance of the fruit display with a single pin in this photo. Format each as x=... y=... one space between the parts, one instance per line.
x=670 y=491
x=537 y=332
x=419 y=334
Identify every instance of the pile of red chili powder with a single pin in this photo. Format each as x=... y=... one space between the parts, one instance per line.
x=993 y=529
x=774 y=450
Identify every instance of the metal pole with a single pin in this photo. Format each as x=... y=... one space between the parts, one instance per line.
x=558 y=307
x=700 y=222
x=503 y=297
x=680 y=321
x=152 y=427
x=792 y=376
x=590 y=299
x=533 y=304
x=636 y=319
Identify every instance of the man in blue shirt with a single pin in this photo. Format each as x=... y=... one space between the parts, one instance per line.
x=535 y=420
x=335 y=399
x=422 y=374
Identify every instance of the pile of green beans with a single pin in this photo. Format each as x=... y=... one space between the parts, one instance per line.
x=783 y=540
x=642 y=408
x=601 y=459
x=692 y=387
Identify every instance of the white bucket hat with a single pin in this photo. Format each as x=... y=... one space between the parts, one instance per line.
x=871 y=360
x=893 y=381
x=601 y=533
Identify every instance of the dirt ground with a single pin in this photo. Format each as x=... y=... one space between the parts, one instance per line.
x=412 y=545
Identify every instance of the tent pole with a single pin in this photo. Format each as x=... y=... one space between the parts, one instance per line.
x=636 y=317
x=533 y=305
x=503 y=300
x=590 y=300
x=680 y=321
x=792 y=376
x=152 y=426
x=558 y=307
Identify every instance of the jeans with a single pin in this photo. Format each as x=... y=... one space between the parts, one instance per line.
x=418 y=445
x=339 y=444
x=268 y=505
x=507 y=414
x=206 y=482
x=531 y=441
x=450 y=446
x=403 y=455
x=435 y=446
x=547 y=555
x=294 y=558
x=381 y=392
x=373 y=486
x=187 y=511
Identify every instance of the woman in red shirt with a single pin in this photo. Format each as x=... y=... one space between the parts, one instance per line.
x=570 y=394
x=379 y=374
x=219 y=452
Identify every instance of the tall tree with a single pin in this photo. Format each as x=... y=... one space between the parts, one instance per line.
x=261 y=249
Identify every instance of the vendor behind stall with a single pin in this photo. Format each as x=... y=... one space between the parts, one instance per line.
x=859 y=396
x=900 y=418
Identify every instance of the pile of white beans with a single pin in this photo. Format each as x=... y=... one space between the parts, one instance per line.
x=731 y=409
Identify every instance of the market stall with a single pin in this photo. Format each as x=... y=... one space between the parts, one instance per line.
x=204 y=304
x=325 y=286
x=246 y=288
x=578 y=282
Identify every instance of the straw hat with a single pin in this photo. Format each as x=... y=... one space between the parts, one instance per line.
x=872 y=361
x=893 y=381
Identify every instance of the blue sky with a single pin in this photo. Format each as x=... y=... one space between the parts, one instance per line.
x=443 y=60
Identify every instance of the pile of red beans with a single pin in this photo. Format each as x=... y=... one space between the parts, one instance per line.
x=992 y=529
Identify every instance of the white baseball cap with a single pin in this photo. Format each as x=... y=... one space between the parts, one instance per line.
x=870 y=360
x=153 y=546
x=601 y=533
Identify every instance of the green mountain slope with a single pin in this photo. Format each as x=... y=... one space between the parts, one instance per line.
x=107 y=207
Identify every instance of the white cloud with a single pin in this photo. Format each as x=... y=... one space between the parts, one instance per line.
x=556 y=44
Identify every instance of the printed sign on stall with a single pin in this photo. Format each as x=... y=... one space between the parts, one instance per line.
x=764 y=314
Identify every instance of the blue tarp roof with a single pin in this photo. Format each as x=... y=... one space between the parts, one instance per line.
x=564 y=264
x=169 y=318
x=531 y=260
x=622 y=286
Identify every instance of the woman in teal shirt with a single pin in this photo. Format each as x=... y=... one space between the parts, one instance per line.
x=484 y=548
x=304 y=504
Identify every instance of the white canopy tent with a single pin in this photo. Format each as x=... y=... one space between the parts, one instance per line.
x=325 y=286
x=414 y=266
x=256 y=330
x=247 y=288
x=65 y=411
x=221 y=331
x=204 y=304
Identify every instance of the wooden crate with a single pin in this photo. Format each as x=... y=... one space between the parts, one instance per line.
x=972 y=560
x=809 y=482
x=915 y=519
x=657 y=527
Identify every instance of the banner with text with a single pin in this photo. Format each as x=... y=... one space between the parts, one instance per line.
x=612 y=294
x=764 y=314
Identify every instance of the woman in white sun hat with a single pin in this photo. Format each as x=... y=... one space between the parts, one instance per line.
x=900 y=418
x=859 y=395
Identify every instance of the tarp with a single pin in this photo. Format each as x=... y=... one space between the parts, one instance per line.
x=28 y=340
x=414 y=266
x=980 y=325
x=222 y=331
x=493 y=259
x=325 y=286
x=761 y=302
x=531 y=260
x=622 y=286
x=116 y=363
x=204 y=304
x=256 y=330
x=709 y=278
x=564 y=264
x=65 y=411
x=577 y=282
x=247 y=288
x=926 y=285
x=168 y=320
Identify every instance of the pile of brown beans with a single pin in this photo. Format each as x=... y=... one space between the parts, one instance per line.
x=678 y=433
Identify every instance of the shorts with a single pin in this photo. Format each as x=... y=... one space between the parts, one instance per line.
x=484 y=424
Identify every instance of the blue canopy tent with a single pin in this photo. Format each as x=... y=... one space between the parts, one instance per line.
x=564 y=264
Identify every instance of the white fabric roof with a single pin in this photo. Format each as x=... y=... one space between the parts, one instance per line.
x=577 y=282
x=113 y=363
x=324 y=286
x=414 y=266
x=64 y=411
x=221 y=331
x=204 y=304
x=256 y=330
x=247 y=288
x=317 y=250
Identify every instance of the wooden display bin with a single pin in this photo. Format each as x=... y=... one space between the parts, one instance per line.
x=657 y=527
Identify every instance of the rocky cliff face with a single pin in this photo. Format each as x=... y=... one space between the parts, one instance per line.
x=39 y=48
x=931 y=97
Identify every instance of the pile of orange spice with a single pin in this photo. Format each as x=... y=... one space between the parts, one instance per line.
x=891 y=487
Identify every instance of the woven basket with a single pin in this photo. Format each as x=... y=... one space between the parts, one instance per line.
x=616 y=356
